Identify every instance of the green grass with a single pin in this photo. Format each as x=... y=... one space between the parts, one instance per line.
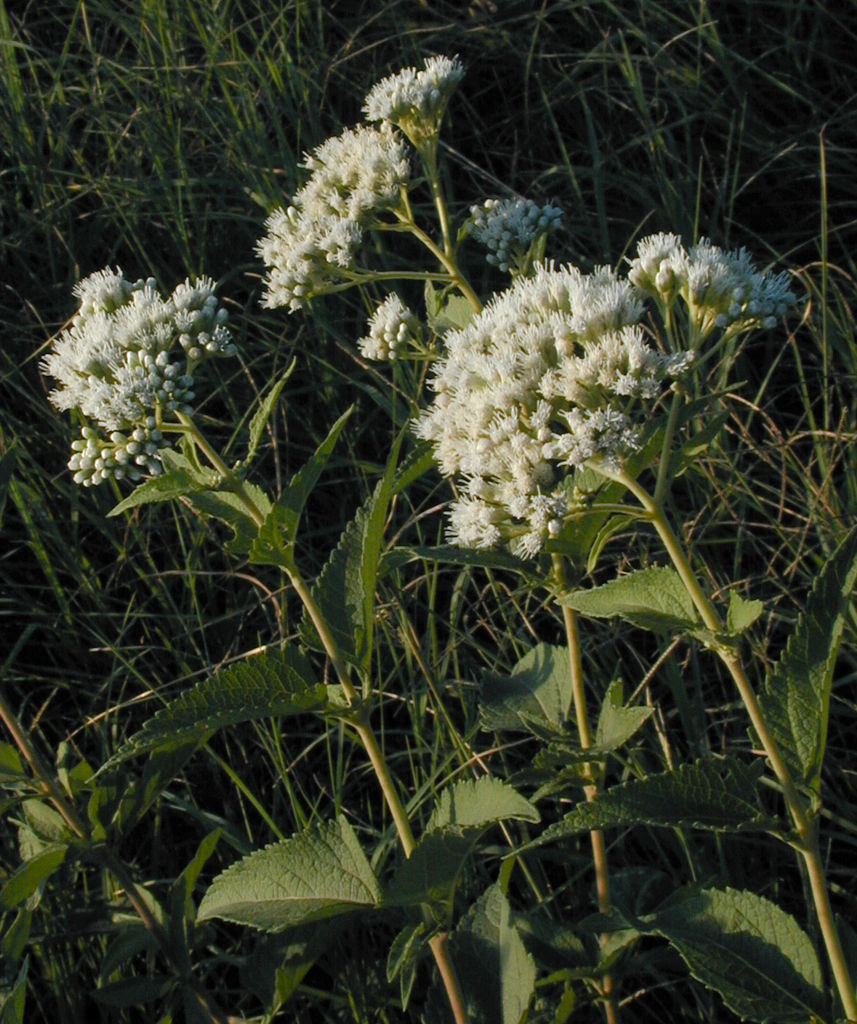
x=157 y=139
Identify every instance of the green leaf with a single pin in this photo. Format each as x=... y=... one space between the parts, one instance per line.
x=47 y=823
x=317 y=874
x=25 y=880
x=749 y=950
x=264 y=686
x=496 y=972
x=431 y=872
x=345 y=589
x=463 y=812
x=275 y=542
x=796 y=695
x=653 y=598
x=11 y=765
x=403 y=958
x=479 y=803
x=717 y=794
x=446 y=310
x=179 y=479
x=537 y=693
x=741 y=613
x=617 y=723
x=13 y=1002
x=263 y=413
x=227 y=507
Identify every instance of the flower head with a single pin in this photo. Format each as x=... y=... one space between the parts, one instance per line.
x=310 y=245
x=549 y=376
x=413 y=100
x=391 y=327
x=719 y=289
x=116 y=363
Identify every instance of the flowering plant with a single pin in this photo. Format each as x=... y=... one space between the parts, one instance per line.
x=563 y=409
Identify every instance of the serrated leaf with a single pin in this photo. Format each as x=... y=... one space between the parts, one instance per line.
x=270 y=684
x=717 y=794
x=275 y=542
x=741 y=613
x=263 y=413
x=496 y=972
x=652 y=598
x=750 y=951
x=479 y=803
x=617 y=723
x=317 y=874
x=25 y=880
x=796 y=696
x=537 y=693
x=178 y=480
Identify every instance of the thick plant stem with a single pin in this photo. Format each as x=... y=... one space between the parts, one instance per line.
x=596 y=836
x=804 y=822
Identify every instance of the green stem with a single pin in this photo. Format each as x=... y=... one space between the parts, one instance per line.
x=803 y=820
x=599 y=849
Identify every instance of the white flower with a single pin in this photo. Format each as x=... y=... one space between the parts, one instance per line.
x=544 y=379
x=354 y=175
x=719 y=289
x=415 y=100
x=391 y=327
x=310 y=245
x=114 y=363
x=508 y=227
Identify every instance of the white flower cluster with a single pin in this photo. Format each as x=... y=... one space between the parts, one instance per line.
x=310 y=245
x=544 y=379
x=391 y=327
x=414 y=100
x=508 y=227
x=114 y=364
x=720 y=289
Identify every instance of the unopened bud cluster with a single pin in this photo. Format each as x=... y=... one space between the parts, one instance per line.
x=508 y=227
x=116 y=364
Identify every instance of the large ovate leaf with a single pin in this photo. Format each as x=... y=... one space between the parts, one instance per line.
x=317 y=874
x=536 y=693
x=269 y=684
x=796 y=695
x=478 y=803
x=749 y=950
x=717 y=794
x=275 y=542
x=345 y=589
x=496 y=973
x=652 y=598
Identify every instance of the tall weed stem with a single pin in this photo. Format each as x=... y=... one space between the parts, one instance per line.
x=804 y=821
